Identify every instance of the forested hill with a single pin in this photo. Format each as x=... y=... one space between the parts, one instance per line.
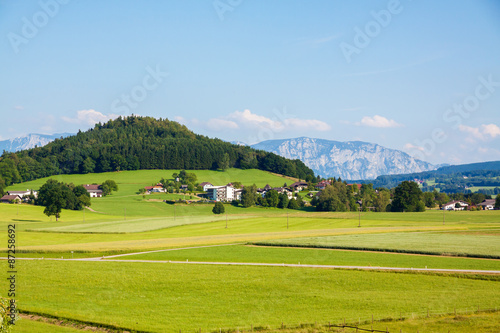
x=133 y=143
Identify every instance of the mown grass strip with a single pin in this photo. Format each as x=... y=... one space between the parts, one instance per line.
x=376 y=249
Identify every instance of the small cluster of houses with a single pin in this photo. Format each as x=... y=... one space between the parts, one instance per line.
x=17 y=196
x=488 y=204
x=95 y=191
x=228 y=192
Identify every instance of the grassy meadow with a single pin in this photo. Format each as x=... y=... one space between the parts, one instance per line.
x=168 y=297
x=160 y=297
x=305 y=256
x=483 y=243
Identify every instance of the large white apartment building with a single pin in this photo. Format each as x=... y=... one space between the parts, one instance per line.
x=220 y=193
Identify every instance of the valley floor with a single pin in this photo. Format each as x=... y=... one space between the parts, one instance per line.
x=172 y=268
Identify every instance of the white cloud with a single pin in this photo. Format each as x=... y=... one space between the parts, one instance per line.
x=89 y=117
x=483 y=132
x=410 y=146
x=378 y=121
x=249 y=119
x=251 y=127
x=306 y=124
x=217 y=124
x=483 y=150
x=491 y=130
x=19 y=107
x=180 y=119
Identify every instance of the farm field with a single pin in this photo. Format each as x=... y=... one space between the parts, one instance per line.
x=168 y=297
x=196 y=225
x=482 y=243
x=189 y=297
x=257 y=254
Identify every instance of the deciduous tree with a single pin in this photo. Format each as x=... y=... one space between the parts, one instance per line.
x=218 y=208
x=408 y=198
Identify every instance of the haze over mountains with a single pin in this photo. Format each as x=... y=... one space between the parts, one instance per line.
x=29 y=141
x=348 y=160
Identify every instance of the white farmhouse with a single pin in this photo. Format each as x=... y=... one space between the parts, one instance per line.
x=94 y=190
x=452 y=205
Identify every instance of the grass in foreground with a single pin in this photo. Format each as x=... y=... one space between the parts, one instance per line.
x=30 y=326
x=168 y=297
x=478 y=322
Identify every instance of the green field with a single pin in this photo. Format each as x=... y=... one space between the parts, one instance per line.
x=461 y=243
x=257 y=254
x=168 y=297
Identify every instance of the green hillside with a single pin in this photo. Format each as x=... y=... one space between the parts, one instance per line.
x=130 y=181
x=139 y=143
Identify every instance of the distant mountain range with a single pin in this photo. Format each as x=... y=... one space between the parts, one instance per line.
x=348 y=160
x=29 y=141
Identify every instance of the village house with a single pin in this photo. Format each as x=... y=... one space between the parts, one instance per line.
x=158 y=188
x=323 y=184
x=488 y=204
x=284 y=190
x=452 y=205
x=298 y=186
x=205 y=185
x=11 y=198
x=23 y=194
x=94 y=190
x=237 y=194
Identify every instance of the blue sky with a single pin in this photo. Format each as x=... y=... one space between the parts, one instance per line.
x=419 y=76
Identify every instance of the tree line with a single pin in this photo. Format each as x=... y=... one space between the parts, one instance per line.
x=133 y=143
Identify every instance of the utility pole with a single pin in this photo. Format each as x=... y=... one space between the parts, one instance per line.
x=359 y=223
x=226 y=220
x=83 y=214
x=444 y=210
x=174 y=212
x=360 y=202
x=287 y=220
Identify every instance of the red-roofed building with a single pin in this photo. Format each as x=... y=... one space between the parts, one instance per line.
x=205 y=185
x=298 y=186
x=156 y=188
x=11 y=198
x=323 y=184
x=94 y=190
x=358 y=185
